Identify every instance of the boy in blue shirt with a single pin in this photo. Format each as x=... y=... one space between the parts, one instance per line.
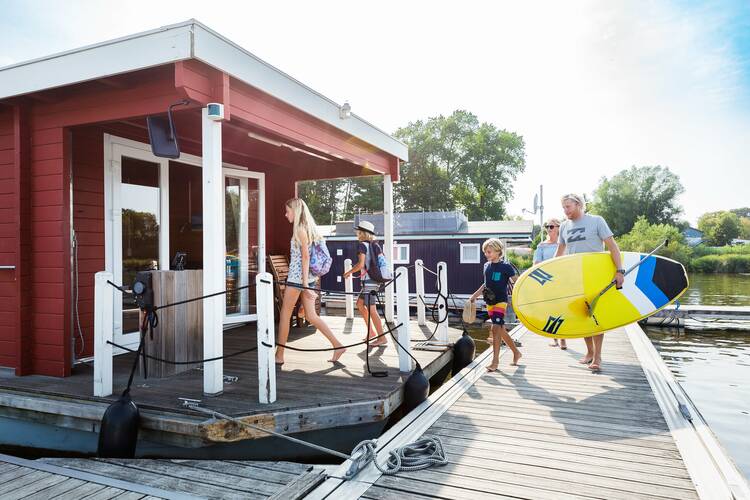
x=497 y=275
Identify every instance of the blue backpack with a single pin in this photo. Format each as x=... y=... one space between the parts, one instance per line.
x=320 y=259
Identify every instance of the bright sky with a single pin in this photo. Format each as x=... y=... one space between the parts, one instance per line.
x=593 y=86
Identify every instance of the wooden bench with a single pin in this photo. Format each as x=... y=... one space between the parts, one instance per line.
x=278 y=266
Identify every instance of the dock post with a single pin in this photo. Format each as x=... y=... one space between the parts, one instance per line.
x=402 y=316
x=388 y=241
x=348 y=299
x=266 y=334
x=442 y=332
x=419 y=279
x=103 y=332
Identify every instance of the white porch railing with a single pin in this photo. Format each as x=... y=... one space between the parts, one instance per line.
x=419 y=282
x=103 y=332
x=442 y=329
x=348 y=287
x=266 y=334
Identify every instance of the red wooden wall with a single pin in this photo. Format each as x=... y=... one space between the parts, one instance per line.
x=9 y=301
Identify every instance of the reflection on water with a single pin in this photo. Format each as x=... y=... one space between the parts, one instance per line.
x=718 y=289
x=714 y=369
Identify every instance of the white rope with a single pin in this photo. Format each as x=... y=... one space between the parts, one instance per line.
x=418 y=455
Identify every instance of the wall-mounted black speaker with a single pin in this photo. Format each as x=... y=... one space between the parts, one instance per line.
x=162 y=134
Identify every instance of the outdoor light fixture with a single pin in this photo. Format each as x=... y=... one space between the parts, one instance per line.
x=280 y=144
x=345 y=111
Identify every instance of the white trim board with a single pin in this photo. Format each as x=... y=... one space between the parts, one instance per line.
x=178 y=42
x=710 y=468
x=408 y=429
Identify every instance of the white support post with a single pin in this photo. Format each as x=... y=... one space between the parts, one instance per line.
x=442 y=331
x=348 y=287
x=402 y=299
x=213 y=255
x=388 y=243
x=103 y=331
x=419 y=279
x=266 y=334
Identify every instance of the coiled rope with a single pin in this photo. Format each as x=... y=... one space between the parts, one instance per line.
x=421 y=454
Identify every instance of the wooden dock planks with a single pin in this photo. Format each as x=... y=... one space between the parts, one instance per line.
x=67 y=478
x=551 y=429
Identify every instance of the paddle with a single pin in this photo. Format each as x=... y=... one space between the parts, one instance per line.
x=598 y=295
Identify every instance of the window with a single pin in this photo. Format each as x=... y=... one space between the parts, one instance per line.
x=470 y=253
x=401 y=253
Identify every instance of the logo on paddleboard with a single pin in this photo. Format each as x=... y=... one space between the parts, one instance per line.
x=541 y=276
x=553 y=324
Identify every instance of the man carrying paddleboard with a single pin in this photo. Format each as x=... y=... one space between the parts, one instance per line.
x=584 y=232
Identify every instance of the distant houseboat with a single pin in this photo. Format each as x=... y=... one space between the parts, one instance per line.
x=432 y=237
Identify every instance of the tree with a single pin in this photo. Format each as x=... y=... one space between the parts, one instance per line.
x=457 y=163
x=649 y=192
x=719 y=228
x=644 y=237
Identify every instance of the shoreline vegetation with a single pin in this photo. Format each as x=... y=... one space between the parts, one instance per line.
x=644 y=237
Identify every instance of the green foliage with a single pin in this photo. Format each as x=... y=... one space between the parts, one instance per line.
x=745 y=232
x=701 y=250
x=719 y=228
x=644 y=237
x=727 y=263
x=649 y=192
x=331 y=200
x=537 y=239
x=522 y=262
x=457 y=163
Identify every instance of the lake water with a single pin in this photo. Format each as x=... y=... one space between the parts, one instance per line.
x=713 y=366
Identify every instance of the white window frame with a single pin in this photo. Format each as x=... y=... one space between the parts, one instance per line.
x=397 y=252
x=470 y=245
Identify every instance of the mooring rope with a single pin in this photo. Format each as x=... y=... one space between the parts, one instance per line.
x=420 y=454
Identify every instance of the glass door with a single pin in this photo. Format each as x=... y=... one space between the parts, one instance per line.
x=242 y=245
x=137 y=225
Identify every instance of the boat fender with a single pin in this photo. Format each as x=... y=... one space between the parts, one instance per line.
x=416 y=389
x=118 y=432
x=463 y=352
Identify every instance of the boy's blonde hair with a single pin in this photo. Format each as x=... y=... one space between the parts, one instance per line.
x=574 y=198
x=303 y=221
x=493 y=244
x=364 y=235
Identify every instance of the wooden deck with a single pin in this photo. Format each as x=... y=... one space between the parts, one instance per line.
x=547 y=429
x=313 y=393
x=71 y=479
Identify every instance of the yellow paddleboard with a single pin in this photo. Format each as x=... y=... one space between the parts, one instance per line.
x=550 y=298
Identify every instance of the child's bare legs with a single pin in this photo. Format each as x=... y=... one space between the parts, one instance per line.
x=285 y=317
x=500 y=333
x=563 y=344
x=308 y=300
x=374 y=318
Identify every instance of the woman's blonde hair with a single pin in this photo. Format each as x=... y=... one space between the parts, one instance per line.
x=303 y=221
x=574 y=198
x=493 y=244
x=554 y=221
x=364 y=235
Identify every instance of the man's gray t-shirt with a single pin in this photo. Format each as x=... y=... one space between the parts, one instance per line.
x=586 y=234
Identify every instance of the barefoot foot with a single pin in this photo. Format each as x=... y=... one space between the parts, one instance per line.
x=492 y=367
x=586 y=360
x=337 y=354
x=516 y=356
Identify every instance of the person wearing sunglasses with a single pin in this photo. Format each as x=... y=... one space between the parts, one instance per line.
x=546 y=250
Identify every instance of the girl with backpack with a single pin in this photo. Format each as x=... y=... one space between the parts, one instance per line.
x=305 y=240
x=371 y=264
